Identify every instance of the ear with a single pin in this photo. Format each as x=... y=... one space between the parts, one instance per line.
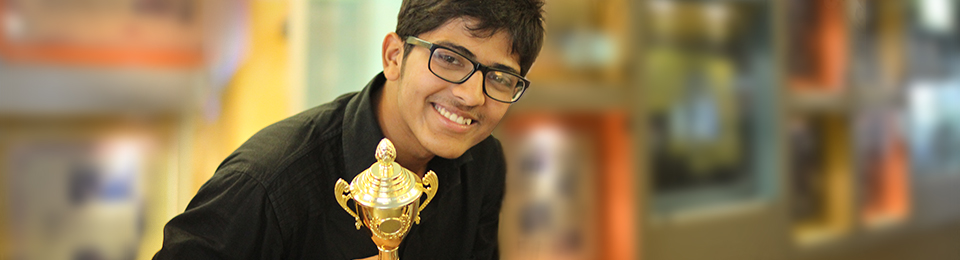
x=392 y=56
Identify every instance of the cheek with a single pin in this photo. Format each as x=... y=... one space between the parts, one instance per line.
x=410 y=91
x=495 y=112
x=419 y=84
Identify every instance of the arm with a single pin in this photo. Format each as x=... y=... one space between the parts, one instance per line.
x=231 y=217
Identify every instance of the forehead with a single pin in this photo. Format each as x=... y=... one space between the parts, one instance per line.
x=492 y=50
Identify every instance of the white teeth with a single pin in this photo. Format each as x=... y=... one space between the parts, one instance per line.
x=453 y=117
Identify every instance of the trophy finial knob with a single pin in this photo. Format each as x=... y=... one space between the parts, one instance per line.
x=386 y=153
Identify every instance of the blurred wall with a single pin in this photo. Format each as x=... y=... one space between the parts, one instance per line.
x=258 y=95
x=654 y=129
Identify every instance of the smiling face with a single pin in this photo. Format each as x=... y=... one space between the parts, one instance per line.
x=430 y=116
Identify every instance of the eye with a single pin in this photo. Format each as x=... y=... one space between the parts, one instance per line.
x=501 y=79
x=449 y=59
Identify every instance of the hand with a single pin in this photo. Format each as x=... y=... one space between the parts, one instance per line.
x=371 y=258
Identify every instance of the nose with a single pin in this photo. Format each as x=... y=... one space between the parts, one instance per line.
x=470 y=93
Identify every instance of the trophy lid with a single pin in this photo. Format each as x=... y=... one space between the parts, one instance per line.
x=385 y=184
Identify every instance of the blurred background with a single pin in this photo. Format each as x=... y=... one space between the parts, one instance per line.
x=654 y=129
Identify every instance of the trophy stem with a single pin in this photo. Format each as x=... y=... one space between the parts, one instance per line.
x=389 y=254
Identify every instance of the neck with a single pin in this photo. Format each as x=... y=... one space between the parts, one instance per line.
x=410 y=154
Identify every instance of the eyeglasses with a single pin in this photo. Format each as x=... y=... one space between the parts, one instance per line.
x=453 y=67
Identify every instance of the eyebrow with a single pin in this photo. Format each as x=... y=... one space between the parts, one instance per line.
x=469 y=54
x=459 y=48
x=505 y=67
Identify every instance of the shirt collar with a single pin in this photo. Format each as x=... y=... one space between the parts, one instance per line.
x=362 y=133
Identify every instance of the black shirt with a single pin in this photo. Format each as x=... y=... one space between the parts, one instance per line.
x=273 y=197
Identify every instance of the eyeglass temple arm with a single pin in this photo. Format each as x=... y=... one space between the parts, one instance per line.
x=417 y=41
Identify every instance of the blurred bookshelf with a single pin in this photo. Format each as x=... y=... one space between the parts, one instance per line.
x=105 y=162
x=653 y=129
x=793 y=130
x=813 y=102
x=580 y=97
x=99 y=110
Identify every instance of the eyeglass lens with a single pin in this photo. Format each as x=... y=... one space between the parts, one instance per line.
x=454 y=67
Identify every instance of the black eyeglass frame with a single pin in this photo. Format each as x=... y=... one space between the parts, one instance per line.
x=413 y=40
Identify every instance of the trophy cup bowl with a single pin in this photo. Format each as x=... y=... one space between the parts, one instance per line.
x=387 y=198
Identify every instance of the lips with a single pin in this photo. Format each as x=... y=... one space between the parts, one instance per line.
x=452 y=116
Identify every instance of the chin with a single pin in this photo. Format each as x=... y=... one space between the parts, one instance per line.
x=447 y=149
x=449 y=152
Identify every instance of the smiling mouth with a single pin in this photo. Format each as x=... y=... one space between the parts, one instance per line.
x=453 y=117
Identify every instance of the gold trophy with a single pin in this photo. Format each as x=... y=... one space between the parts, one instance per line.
x=388 y=197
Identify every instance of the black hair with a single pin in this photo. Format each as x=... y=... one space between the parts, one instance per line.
x=522 y=19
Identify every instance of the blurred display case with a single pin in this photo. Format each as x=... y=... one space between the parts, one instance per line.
x=588 y=44
x=817 y=44
x=657 y=129
x=710 y=111
x=863 y=119
x=572 y=131
x=706 y=103
x=849 y=172
x=569 y=188
x=96 y=103
x=80 y=188
x=821 y=176
x=820 y=68
x=883 y=167
x=877 y=48
x=881 y=121
x=933 y=85
x=932 y=88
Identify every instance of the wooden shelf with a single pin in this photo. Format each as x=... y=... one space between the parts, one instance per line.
x=27 y=90
x=820 y=102
x=575 y=97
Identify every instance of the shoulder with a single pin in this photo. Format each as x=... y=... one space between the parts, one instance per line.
x=488 y=155
x=488 y=149
x=280 y=146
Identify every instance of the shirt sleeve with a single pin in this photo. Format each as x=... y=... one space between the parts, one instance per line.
x=231 y=217
x=487 y=242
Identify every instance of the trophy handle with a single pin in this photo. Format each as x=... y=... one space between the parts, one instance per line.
x=342 y=194
x=429 y=185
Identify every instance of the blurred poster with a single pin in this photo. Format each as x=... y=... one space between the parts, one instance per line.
x=817 y=44
x=587 y=42
x=934 y=126
x=883 y=166
x=934 y=41
x=878 y=29
x=703 y=92
x=933 y=88
x=73 y=197
x=570 y=186
x=821 y=175
x=551 y=207
x=937 y=16
x=807 y=187
x=700 y=129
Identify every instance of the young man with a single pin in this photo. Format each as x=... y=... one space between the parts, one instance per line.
x=450 y=72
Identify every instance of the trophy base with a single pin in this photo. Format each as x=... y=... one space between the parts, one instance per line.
x=388 y=254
